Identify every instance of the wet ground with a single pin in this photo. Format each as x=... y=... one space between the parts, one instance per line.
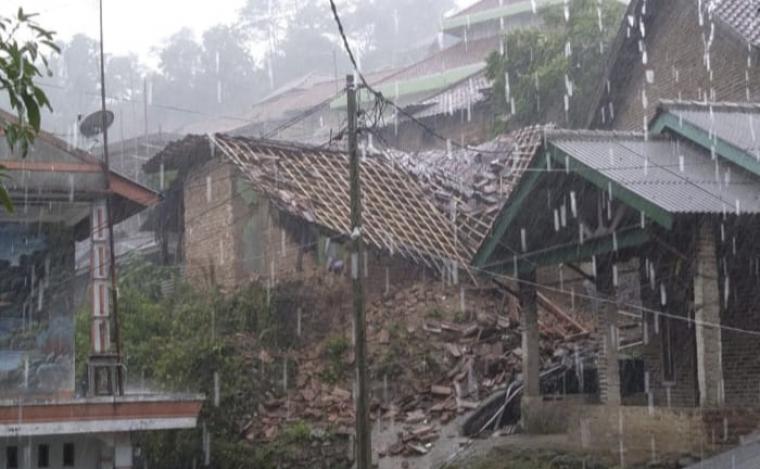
x=447 y=447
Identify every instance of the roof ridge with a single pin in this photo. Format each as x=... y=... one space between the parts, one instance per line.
x=714 y=105
x=283 y=145
x=558 y=132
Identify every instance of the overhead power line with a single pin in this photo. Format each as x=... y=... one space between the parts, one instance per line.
x=379 y=97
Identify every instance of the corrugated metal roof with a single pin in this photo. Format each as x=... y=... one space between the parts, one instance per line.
x=461 y=96
x=741 y=15
x=459 y=55
x=674 y=175
x=483 y=5
x=735 y=123
x=742 y=457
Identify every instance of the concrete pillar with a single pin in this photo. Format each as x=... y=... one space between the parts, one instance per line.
x=707 y=317
x=530 y=342
x=608 y=368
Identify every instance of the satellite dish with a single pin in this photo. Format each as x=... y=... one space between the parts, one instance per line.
x=92 y=125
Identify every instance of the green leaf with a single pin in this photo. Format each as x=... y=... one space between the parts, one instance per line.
x=51 y=45
x=32 y=111
x=5 y=200
x=41 y=97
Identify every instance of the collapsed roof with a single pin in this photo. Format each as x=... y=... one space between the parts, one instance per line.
x=313 y=184
x=472 y=184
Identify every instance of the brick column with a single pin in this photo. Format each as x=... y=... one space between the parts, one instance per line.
x=608 y=369
x=707 y=316
x=530 y=342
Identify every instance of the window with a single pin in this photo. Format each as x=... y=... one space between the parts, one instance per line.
x=68 y=454
x=11 y=457
x=43 y=456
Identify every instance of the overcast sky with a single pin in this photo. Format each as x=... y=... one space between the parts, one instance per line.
x=132 y=26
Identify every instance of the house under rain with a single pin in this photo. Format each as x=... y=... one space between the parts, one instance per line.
x=46 y=418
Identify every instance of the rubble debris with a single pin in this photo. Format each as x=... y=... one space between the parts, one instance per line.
x=431 y=359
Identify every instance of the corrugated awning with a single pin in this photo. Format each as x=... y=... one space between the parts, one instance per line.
x=672 y=175
x=731 y=130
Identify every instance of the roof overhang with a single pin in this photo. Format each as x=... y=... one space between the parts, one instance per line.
x=665 y=121
x=414 y=86
x=84 y=175
x=555 y=158
x=100 y=415
x=515 y=8
x=130 y=197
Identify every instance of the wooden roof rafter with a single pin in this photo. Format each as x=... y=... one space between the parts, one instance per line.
x=312 y=183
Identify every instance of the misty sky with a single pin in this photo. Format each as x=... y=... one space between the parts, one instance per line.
x=133 y=26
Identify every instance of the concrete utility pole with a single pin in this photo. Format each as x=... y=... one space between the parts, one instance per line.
x=363 y=434
x=119 y=377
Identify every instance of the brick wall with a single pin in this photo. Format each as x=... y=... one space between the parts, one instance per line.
x=740 y=312
x=675 y=62
x=634 y=434
x=674 y=275
x=210 y=213
x=727 y=426
x=234 y=236
x=641 y=433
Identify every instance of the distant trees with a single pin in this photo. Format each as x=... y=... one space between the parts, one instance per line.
x=225 y=70
x=302 y=37
x=549 y=74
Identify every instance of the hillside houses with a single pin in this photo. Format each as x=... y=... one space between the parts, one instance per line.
x=643 y=226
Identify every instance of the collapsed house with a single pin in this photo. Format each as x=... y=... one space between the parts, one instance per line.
x=46 y=420
x=645 y=235
x=257 y=210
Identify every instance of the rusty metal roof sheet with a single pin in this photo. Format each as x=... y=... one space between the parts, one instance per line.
x=313 y=184
x=672 y=174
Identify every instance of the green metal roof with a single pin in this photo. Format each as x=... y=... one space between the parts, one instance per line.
x=464 y=19
x=729 y=129
x=424 y=84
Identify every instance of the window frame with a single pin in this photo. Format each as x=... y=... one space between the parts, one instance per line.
x=66 y=462
x=43 y=455
x=11 y=450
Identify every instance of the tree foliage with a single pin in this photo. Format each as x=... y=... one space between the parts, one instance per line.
x=179 y=340
x=550 y=73
x=19 y=71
